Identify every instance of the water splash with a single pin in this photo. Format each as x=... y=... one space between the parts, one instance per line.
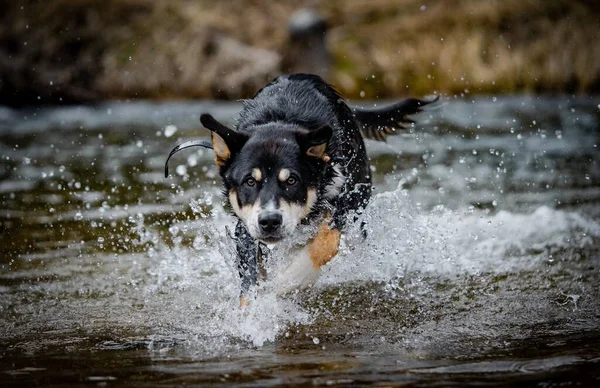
x=196 y=288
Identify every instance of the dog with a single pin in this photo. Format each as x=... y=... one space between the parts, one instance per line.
x=297 y=157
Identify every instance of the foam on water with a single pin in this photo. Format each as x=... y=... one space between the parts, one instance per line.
x=448 y=242
x=195 y=289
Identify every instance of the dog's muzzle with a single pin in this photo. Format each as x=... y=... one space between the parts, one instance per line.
x=270 y=226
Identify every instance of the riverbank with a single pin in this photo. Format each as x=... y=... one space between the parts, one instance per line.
x=82 y=50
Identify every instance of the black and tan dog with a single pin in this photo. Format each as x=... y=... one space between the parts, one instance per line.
x=297 y=156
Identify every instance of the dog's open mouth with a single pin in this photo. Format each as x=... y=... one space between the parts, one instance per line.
x=270 y=239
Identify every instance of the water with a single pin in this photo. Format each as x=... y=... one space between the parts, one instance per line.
x=482 y=263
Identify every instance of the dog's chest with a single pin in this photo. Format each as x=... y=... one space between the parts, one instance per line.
x=288 y=265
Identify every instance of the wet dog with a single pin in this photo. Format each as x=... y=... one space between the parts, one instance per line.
x=297 y=157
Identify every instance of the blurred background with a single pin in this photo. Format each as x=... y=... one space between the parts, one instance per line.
x=60 y=51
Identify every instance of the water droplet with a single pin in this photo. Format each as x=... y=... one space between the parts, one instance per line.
x=170 y=130
x=316 y=341
x=181 y=170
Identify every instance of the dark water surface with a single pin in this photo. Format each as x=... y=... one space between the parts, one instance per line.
x=482 y=263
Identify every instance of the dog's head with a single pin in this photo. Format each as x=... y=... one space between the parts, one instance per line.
x=272 y=176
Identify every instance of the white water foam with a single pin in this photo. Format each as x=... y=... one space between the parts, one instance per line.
x=449 y=242
x=198 y=288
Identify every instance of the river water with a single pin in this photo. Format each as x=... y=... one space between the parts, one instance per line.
x=481 y=265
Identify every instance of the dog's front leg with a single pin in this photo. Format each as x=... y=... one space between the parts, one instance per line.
x=306 y=264
x=249 y=260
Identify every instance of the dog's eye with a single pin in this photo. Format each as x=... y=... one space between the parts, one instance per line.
x=251 y=182
x=291 y=181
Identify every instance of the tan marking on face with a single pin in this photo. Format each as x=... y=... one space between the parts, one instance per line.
x=247 y=213
x=311 y=199
x=324 y=246
x=257 y=174
x=243 y=212
x=234 y=202
x=222 y=152
x=284 y=174
x=293 y=213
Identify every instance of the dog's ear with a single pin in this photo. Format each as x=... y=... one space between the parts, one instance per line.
x=225 y=141
x=314 y=143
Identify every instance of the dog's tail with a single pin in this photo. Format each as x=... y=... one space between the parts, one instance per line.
x=379 y=123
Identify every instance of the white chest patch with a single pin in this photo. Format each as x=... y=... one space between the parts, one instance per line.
x=300 y=273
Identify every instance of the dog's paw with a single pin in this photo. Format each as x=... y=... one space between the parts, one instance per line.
x=244 y=302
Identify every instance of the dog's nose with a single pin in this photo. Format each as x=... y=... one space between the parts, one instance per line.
x=270 y=222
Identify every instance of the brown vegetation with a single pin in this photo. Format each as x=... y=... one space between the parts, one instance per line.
x=481 y=46
x=89 y=49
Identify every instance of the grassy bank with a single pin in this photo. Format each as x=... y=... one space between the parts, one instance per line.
x=73 y=50
x=479 y=46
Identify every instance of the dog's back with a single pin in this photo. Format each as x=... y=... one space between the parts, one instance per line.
x=307 y=100
x=302 y=99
